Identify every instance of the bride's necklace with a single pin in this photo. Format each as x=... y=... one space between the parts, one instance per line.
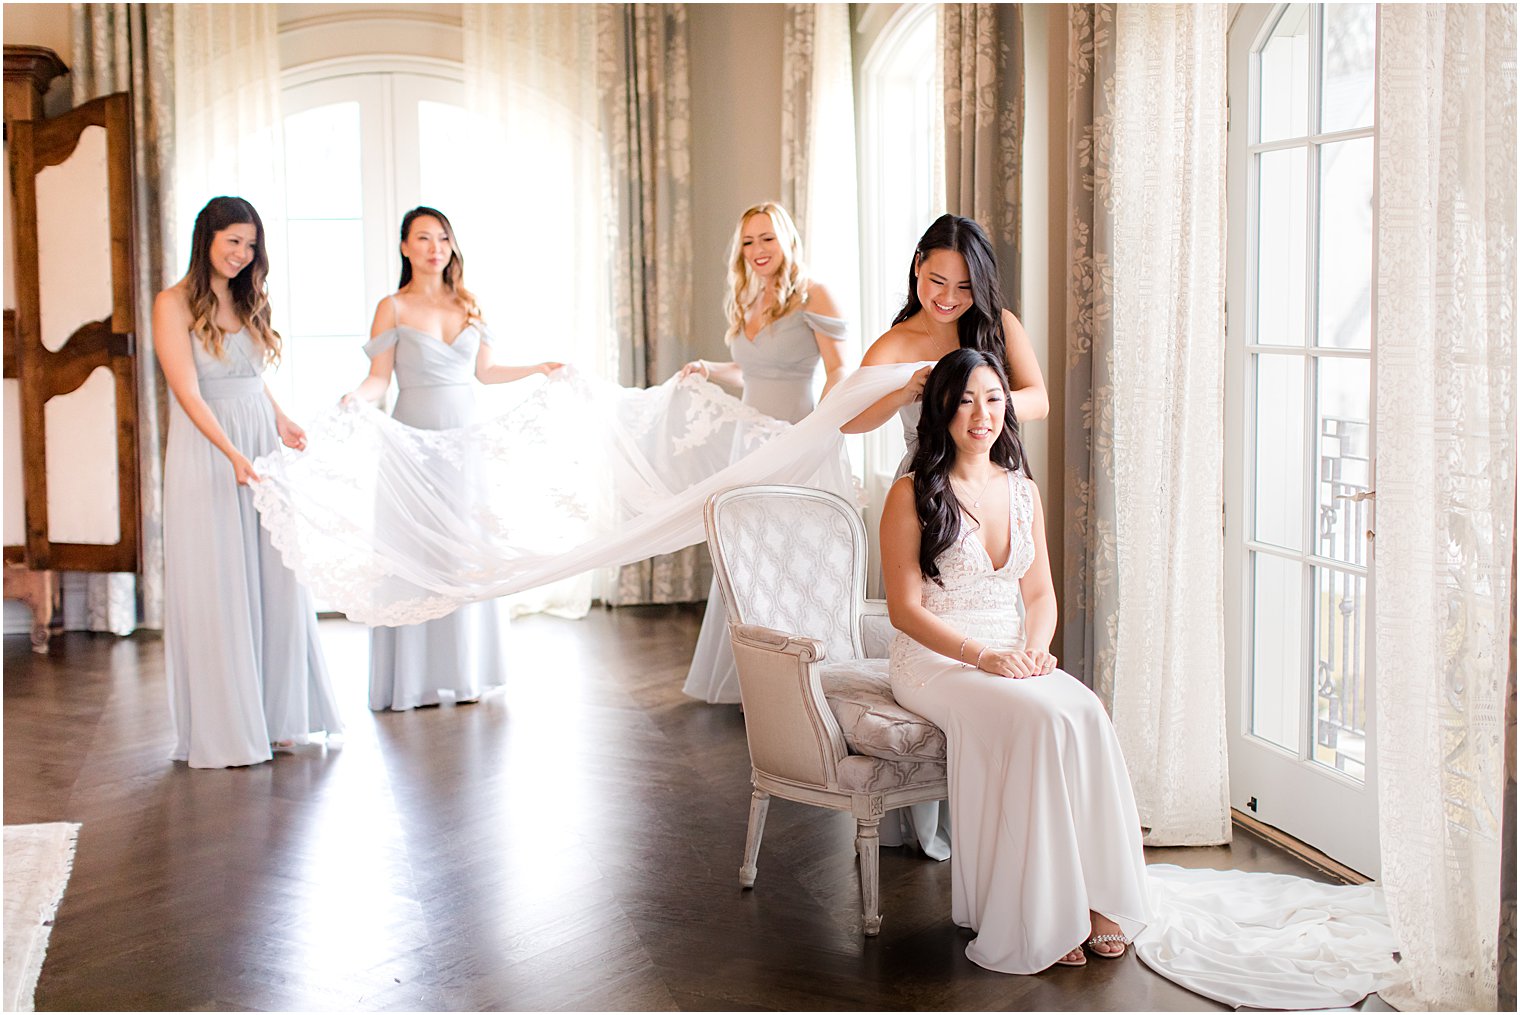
x=977 y=501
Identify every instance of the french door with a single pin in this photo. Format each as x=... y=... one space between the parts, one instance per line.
x=1299 y=424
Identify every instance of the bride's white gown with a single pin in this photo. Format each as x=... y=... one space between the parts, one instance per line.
x=1044 y=826
x=1043 y=822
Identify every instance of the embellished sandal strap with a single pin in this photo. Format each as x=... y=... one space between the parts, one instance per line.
x=1103 y=939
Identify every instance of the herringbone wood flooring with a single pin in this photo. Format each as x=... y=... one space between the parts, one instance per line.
x=569 y=843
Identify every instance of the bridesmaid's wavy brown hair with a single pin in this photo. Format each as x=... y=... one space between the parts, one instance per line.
x=981 y=326
x=248 y=288
x=744 y=286
x=453 y=272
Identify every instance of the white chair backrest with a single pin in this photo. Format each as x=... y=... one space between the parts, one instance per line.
x=793 y=559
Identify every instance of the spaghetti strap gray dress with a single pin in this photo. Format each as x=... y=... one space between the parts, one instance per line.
x=243 y=659
x=462 y=655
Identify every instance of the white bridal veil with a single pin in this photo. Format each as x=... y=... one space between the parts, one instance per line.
x=393 y=525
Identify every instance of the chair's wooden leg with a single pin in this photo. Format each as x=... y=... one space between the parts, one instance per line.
x=868 y=848
x=758 y=805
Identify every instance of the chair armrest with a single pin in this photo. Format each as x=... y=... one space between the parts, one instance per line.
x=792 y=731
x=807 y=650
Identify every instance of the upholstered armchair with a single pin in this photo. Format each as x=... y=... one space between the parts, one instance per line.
x=822 y=724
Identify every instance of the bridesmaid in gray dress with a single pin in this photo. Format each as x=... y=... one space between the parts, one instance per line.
x=780 y=327
x=430 y=334
x=954 y=301
x=244 y=664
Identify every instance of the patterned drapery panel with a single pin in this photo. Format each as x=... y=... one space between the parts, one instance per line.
x=643 y=76
x=1143 y=603
x=797 y=69
x=1445 y=468
x=128 y=48
x=982 y=52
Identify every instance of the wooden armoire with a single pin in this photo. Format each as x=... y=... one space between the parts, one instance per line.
x=70 y=337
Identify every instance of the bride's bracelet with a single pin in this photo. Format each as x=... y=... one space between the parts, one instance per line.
x=979 y=655
x=960 y=653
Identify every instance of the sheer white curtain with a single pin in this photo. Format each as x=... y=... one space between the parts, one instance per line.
x=1445 y=484
x=1145 y=376
x=818 y=179
x=537 y=200
x=229 y=135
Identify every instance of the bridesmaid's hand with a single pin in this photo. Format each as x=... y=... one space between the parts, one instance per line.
x=913 y=391
x=696 y=366
x=242 y=468
x=291 y=435
x=548 y=368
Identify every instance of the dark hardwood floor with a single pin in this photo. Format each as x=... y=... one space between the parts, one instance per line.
x=571 y=842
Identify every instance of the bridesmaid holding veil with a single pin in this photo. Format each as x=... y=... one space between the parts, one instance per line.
x=781 y=325
x=245 y=668
x=954 y=302
x=430 y=334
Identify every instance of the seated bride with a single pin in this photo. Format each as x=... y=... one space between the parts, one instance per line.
x=1045 y=837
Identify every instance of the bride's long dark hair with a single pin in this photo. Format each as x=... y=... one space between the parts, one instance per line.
x=981 y=326
x=939 y=514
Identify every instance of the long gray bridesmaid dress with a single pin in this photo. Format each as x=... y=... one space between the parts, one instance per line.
x=463 y=653
x=245 y=666
x=778 y=366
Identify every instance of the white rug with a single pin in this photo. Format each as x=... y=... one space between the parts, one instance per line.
x=38 y=859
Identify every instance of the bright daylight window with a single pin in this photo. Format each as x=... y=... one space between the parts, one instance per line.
x=363 y=147
x=1309 y=358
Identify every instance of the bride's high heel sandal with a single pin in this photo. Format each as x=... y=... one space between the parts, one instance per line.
x=1103 y=939
x=1075 y=957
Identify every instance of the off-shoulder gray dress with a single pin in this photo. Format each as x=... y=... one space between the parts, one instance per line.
x=241 y=652
x=779 y=366
x=464 y=653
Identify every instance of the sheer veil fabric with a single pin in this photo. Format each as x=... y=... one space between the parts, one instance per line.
x=579 y=474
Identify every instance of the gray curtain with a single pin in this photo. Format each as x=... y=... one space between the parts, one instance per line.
x=1507 y=854
x=644 y=77
x=127 y=48
x=1089 y=486
x=982 y=50
x=799 y=36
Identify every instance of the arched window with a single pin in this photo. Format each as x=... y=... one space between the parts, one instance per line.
x=369 y=135
x=365 y=139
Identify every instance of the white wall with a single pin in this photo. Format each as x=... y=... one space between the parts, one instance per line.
x=735 y=143
x=40 y=25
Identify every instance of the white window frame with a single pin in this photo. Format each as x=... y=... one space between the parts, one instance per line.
x=1282 y=787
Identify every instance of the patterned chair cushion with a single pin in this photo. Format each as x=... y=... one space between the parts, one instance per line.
x=860 y=774
x=859 y=693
